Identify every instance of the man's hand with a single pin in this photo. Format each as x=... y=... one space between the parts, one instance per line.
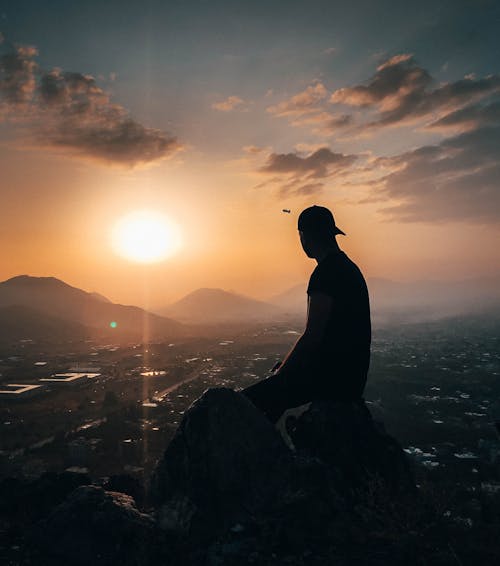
x=276 y=366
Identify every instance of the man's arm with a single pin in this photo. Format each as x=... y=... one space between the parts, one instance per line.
x=306 y=347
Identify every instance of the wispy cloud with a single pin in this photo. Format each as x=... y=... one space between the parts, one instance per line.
x=304 y=102
x=229 y=104
x=69 y=111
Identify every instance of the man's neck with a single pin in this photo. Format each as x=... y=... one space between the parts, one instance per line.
x=332 y=248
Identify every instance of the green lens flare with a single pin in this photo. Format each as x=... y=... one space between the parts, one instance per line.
x=113 y=324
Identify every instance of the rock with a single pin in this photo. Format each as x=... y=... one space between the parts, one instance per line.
x=226 y=458
x=97 y=527
x=127 y=484
x=29 y=501
x=346 y=438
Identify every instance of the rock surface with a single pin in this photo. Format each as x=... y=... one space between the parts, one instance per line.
x=97 y=527
x=228 y=490
x=346 y=438
x=225 y=462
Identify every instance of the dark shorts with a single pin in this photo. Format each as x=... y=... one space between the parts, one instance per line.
x=277 y=393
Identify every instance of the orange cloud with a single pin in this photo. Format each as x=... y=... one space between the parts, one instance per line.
x=302 y=103
x=230 y=103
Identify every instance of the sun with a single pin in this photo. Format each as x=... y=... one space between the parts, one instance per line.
x=145 y=236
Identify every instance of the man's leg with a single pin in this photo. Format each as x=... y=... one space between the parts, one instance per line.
x=277 y=393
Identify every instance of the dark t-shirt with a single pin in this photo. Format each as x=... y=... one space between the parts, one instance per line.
x=341 y=366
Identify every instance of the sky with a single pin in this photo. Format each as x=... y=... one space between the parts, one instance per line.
x=220 y=114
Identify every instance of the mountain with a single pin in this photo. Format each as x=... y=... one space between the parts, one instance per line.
x=292 y=301
x=54 y=298
x=411 y=301
x=216 y=306
x=100 y=297
x=19 y=322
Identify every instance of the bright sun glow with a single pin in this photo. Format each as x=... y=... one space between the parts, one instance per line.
x=145 y=236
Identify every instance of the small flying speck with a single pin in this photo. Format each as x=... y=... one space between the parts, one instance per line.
x=287 y=210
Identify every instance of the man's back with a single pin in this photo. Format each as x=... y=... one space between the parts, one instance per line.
x=342 y=362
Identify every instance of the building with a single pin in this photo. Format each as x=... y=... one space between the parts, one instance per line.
x=83 y=368
x=19 y=390
x=70 y=378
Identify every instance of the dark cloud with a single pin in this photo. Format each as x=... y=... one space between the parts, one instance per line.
x=321 y=163
x=470 y=117
x=457 y=180
x=70 y=111
x=398 y=77
x=400 y=92
x=302 y=175
x=17 y=75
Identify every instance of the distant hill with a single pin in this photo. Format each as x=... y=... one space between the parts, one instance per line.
x=292 y=301
x=100 y=297
x=216 y=306
x=54 y=298
x=410 y=301
x=19 y=323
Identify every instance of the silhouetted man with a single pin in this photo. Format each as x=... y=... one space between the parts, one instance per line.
x=331 y=359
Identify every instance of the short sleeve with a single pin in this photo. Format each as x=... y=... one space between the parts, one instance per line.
x=320 y=282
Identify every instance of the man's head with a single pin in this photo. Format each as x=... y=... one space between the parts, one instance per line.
x=317 y=230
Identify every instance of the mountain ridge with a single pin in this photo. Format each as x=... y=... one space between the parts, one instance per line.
x=53 y=297
x=217 y=305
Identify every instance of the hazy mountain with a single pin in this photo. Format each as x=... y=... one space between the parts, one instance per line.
x=55 y=298
x=411 y=301
x=19 y=322
x=293 y=300
x=100 y=297
x=216 y=305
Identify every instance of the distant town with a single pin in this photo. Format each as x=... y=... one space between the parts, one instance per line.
x=111 y=409
x=95 y=388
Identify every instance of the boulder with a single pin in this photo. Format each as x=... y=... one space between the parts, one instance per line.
x=226 y=462
x=97 y=527
x=346 y=438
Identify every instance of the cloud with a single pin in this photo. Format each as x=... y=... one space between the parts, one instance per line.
x=470 y=117
x=70 y=112
x=401 y=92
x=253 y=149
x=321 y=163
x=456 y=180
x=230 y=103
x=17 y=76
x=302 y=103
x=309 y=189
x=297 y=174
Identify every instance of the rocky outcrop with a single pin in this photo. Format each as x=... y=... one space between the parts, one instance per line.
x=97 y=527
x=346 y=438
x=225 y=464
x=228 y=490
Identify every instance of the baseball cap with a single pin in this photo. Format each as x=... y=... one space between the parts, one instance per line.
x=318 y=219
